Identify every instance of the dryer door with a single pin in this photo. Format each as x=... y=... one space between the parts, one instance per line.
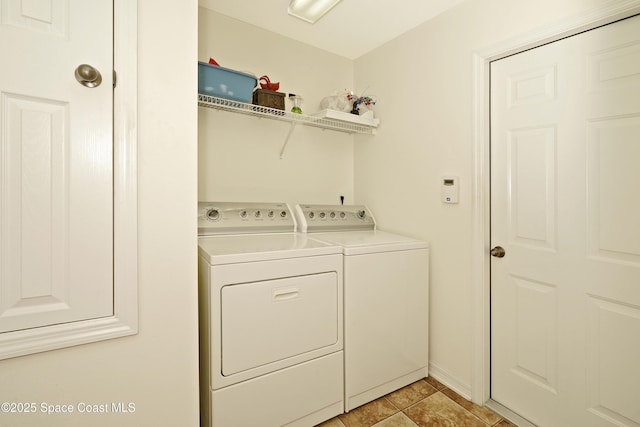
x=272 y=320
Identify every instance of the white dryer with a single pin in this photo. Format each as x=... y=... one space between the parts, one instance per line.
x=386 y=282
x=271 y=319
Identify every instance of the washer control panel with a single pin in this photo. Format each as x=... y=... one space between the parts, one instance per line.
x=314 y=218
x=240 y=217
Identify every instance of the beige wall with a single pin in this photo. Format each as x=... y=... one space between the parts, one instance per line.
x=239 y=155
x=156 y=369
x=424 y=82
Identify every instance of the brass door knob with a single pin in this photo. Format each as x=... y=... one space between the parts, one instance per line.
x=88 y=76
x=498 y=252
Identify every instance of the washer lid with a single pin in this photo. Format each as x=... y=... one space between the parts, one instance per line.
x=231 y=249
x=370 y=241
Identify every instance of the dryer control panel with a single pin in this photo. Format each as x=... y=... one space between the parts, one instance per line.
x=244 y=217
x=314 y=218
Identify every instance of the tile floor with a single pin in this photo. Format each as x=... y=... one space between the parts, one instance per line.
x=424 y=403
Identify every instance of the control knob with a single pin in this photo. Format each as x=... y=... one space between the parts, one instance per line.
x=213 y=214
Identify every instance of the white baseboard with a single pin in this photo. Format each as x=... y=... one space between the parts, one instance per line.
x=450 y=381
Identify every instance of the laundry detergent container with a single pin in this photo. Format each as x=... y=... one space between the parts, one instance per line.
x=225 y=83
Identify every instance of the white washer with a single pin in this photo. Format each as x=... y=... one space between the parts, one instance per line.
x=386 y=282
x=271 y=319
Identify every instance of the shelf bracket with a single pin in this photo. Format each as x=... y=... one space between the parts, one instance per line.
x=286 y=140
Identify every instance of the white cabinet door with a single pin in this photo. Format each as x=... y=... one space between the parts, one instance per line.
x=565 y=205
x=56 y=159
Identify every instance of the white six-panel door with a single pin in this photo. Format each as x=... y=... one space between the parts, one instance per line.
x=56 y=163
x=565 y=206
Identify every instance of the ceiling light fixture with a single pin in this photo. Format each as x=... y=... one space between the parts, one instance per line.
x=311 y=10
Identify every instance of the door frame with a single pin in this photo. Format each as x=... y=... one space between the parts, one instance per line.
x=124 y=320
x=481 y=329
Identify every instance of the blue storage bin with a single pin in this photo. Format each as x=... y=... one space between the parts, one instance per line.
x=225 y=83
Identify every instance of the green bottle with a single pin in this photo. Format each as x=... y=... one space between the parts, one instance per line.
x=297 y=102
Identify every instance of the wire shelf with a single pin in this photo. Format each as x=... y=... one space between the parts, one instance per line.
x=217 y=103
